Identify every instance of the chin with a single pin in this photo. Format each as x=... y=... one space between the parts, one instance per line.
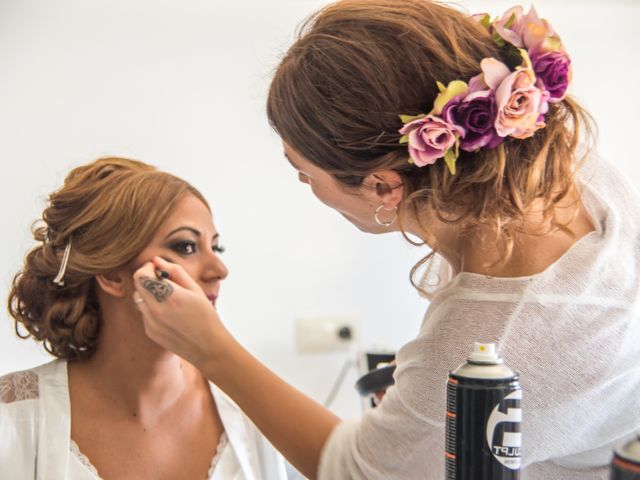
x=374 y=229
x=362 y=228
x=381 y=231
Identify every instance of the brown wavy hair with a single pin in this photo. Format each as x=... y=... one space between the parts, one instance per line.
x=357 y=64
x=109 y=209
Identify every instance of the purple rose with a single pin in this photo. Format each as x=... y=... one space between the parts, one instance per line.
x=553 y=72
x=476 y=115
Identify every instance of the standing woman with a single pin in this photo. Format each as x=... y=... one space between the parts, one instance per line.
x=407 y=115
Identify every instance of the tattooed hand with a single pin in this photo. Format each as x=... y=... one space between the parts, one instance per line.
x=177 y=314
x=160 y=290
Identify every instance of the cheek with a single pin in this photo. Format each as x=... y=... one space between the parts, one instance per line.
x=129 y=284
x=321 y=194
x=189 y=264
x=329 y=195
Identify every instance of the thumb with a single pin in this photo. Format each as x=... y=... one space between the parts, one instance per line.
x=177 y=274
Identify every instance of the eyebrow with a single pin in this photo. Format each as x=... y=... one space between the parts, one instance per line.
x=289 y=159
x=295 y=166
x=192 y=230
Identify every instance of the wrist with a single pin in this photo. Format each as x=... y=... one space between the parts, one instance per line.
x=215 y=358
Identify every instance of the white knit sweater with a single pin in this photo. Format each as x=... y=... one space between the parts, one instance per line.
x=572 y=332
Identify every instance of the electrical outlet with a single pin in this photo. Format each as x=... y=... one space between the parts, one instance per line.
x=325 y=334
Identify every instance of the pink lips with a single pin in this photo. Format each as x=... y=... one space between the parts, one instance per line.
x=212 y=298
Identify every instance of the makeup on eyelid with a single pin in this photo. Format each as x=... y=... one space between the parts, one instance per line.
x=180 y=246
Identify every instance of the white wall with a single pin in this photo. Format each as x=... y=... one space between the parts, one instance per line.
x=182 y=85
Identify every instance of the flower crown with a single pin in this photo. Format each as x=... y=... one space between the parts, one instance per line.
x=498 y=102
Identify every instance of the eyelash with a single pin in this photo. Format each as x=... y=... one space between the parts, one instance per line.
x=181 y=247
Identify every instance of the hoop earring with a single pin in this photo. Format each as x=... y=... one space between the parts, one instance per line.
x=380 y=222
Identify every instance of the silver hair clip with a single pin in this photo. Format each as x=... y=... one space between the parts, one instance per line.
x=59 y=280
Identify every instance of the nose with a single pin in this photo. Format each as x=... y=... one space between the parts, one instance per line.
x=214 y=268
x=303 y=178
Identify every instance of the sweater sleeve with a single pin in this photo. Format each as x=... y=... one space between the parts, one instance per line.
x=387 y=443
x=403 y=438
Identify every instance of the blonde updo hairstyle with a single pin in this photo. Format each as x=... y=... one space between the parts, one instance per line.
x=357 y=64
x=109 y=210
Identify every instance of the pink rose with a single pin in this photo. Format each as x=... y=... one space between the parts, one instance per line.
x=509 y=27
x=538 y=35
x=520 y=104
x=477 y=84
x=527 y=31
x=429 y=139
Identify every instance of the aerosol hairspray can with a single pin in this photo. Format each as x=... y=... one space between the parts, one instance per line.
x=483 y=434
x=626 y=462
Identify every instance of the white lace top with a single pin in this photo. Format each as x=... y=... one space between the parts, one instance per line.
x=24 y=386
x=35 y=431
x=572 y=332
x=19 y=386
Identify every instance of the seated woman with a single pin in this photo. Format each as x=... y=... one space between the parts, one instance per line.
x=114 y=404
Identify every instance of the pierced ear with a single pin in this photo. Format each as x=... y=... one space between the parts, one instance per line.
x=112 y=283
x=388 y=187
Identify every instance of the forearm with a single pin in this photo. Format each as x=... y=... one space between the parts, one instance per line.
x=187 y=325
x=294 y=423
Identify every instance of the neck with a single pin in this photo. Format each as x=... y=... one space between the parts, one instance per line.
x=446 y=239
x=536 y=245
x=130 y=372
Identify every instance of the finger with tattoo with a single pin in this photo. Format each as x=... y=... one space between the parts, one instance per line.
x=160 y=290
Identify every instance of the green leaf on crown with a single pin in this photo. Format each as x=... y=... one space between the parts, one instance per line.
x=450 y=160
x=410 y=118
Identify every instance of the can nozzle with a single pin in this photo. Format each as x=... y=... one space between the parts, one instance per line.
x=485 y=353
